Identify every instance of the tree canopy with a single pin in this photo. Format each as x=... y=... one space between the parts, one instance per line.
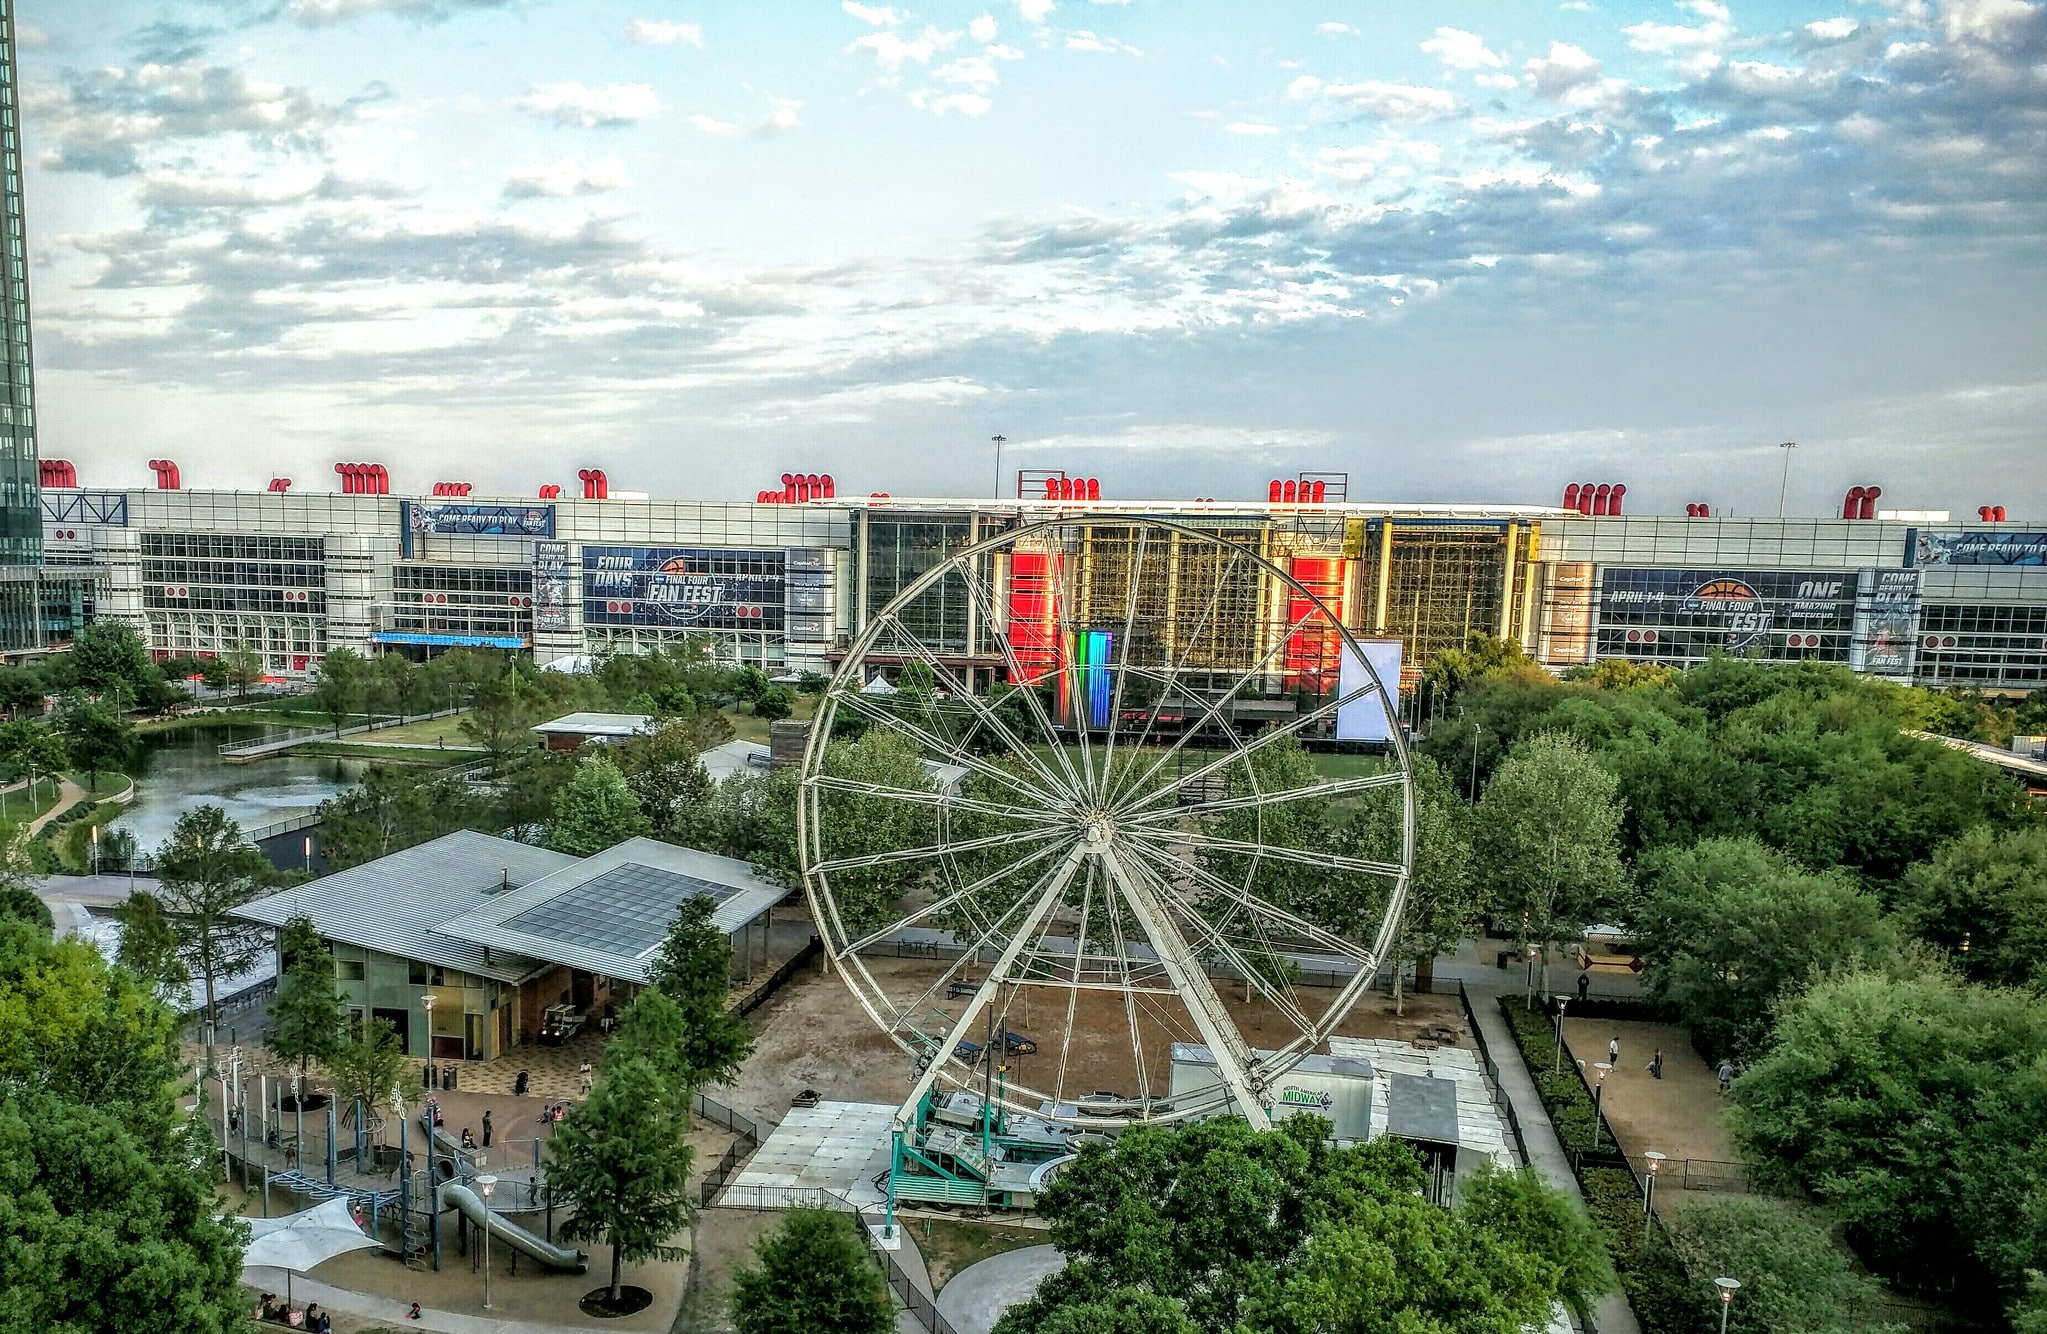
x=621 y=1162
x=1982 y=898
x=812 y=1274
x=595 y=810
x=206 y=870
x=1794 y=1280
x=693 y=972
x=309 y=1018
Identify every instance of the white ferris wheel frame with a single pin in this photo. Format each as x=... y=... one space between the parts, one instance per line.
x=1246 y=1077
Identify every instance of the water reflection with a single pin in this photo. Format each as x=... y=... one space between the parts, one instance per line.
x=181 y=771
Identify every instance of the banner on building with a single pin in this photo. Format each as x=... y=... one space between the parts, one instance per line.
x=550 y=587
x=684 y=587
x=1676 y=614
x=422 y=520
x=1364 y=718
x=1974 y=548
x=1886 y=623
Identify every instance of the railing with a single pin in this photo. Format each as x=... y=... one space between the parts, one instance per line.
x=751 y=1134
x=292 y=736
x=757 y=997
x=1706 y=1174
x=1501 y=1102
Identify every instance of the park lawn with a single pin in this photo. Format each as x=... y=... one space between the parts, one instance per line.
x=425 y=732
x=950 y=1247
x=342 y=749
x=20 y=809
x=746 y=727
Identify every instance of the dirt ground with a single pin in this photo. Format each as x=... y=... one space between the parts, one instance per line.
x=1679 y=1115
x=814 y=1034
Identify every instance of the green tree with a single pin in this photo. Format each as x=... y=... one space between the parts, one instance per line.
x=1548 y=841
x=502 y=716
x=855 y=823
x=1442 y=895
x=206 y=870
x=74 y=1026
x=776 y=703
x=595 y=810
x=339 y=688
x=1794 y=1280
x=96 y=736
x=397 y=808
x=1913 y=1108
x=21 y=688
x=527 y=787
x=694 y=971
x=665 y=770
x=109 y=658
x=366 y=1068
x=242 y=668
x=149 y=949
x=32 y=748
x=1728 y=928
x=812 y=1274
x=1450 y=672
x=1983 y=898
x=108 y=1227
x=622 y=1164
x=309 y=1018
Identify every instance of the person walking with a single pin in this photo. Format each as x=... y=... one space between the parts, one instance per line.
x=1726 y=1073
x=486 y=1128
x=1613 y=1050
x=584 y=1071
x=1656 y=1064
x=1584 y=985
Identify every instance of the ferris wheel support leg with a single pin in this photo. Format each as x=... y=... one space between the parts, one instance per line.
x=984 y=995
x=1184 y=971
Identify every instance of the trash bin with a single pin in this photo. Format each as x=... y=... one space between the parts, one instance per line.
x=447 y=1078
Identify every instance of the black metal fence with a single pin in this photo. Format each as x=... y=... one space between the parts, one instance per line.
x=751 y=1134
x=758 y=997
x=1501 y=1102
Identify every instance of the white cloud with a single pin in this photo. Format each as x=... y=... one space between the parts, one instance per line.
x=1337 y=30
x=28 y=34
x=1458 y=49
x=967 y=104
x=1833 y=30
x=892 y=52
x=1034 y=11
x=568 y=177
x=983 y=29
x=1576 y=6
x=1306 y=85
x=1252 y=128
x=575 y=104
x=1080 y=39
x=664 y=32
x=783 y=116
x=711 y=125
x=974 y=71
x=313 y=13
x=1983 y=20
x=1392 y=101
x=881 y=16
x=1503 y=82
x=1564 y=69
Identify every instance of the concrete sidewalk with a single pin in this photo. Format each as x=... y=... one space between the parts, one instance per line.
x=1611 y=1314
x=260 y=1279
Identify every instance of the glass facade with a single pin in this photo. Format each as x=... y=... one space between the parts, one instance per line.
x=489 y=600
x=899 y=549
x=208 y=572
x=1990 y=646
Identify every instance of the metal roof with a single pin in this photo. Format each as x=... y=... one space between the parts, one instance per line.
x=1420 y=1107
x=597 y=724
x=609 y=913
x=397 y=904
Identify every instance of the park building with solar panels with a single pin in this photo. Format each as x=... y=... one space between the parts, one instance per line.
x=509 y=940
x=788 y=580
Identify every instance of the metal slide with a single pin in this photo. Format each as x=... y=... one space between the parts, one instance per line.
x=455 y=1195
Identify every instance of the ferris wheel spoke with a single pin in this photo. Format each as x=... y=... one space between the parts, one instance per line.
x=1173 y=671
x=1256 y=744
x=1315 y=792
x=895 y=722
x=1216 y=931
x=1211 y=711
x=984 y=600
x=1293 y=921
x=983 y=712
x=964 y=894
x=935 y=850
x=926 y=797
x=1277 y=851
x=1129 y=993
x=1107 y=776
x=993 y=931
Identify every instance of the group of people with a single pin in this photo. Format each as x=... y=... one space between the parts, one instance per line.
x=312 y=1319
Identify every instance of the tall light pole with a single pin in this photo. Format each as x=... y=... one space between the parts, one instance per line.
x=1785 y=481
x=1727 y=1287
x=998 y=442
x=1598 y=1100
x=1654 y=1160
x=485 y=1185
x=1558 y=1068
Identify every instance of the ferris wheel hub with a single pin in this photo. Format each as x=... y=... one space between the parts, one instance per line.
x=1097 y=832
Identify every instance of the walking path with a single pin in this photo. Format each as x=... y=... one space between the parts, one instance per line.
x=69 y=794
x=1610 y=1313
x=975 y=1298
x=261 y=1278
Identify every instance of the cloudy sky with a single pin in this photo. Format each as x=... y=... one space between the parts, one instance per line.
x=1464 y=251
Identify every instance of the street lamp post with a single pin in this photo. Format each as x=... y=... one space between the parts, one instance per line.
x=1727 y=1287
x=1598 y=1099
x=998 y=441
x=485 y=1185
x=95 y=849
x=1654 y=1160
x=1558 y=1068
x=1784 y=481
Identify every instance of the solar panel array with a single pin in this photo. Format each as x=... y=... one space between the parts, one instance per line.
x=626 y=910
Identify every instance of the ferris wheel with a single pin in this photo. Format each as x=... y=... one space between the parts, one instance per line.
x=1088 y=873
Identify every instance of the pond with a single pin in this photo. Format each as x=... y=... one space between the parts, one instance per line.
x=179 y=771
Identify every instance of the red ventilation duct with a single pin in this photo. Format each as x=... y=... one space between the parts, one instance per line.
x=1983 y=513
x=596 y=486
x=831 y=492
x=1571 y=496
x=1272 y=491
x=1698 y=511
x=1996 y=511
x=550 y=492
x=1599 y=497
x=167 y=478
x=58 y=473
x=1851 y=504
x=1321 y=489
x=1869 y=499
x=1094 y=488
x=1584 y=497
x=1615 y=496
x=1051 y=488
x=1288 y=492
x=280 y=484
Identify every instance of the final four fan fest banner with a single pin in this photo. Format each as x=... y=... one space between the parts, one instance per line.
x=705 y=588
x=1660 y=613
